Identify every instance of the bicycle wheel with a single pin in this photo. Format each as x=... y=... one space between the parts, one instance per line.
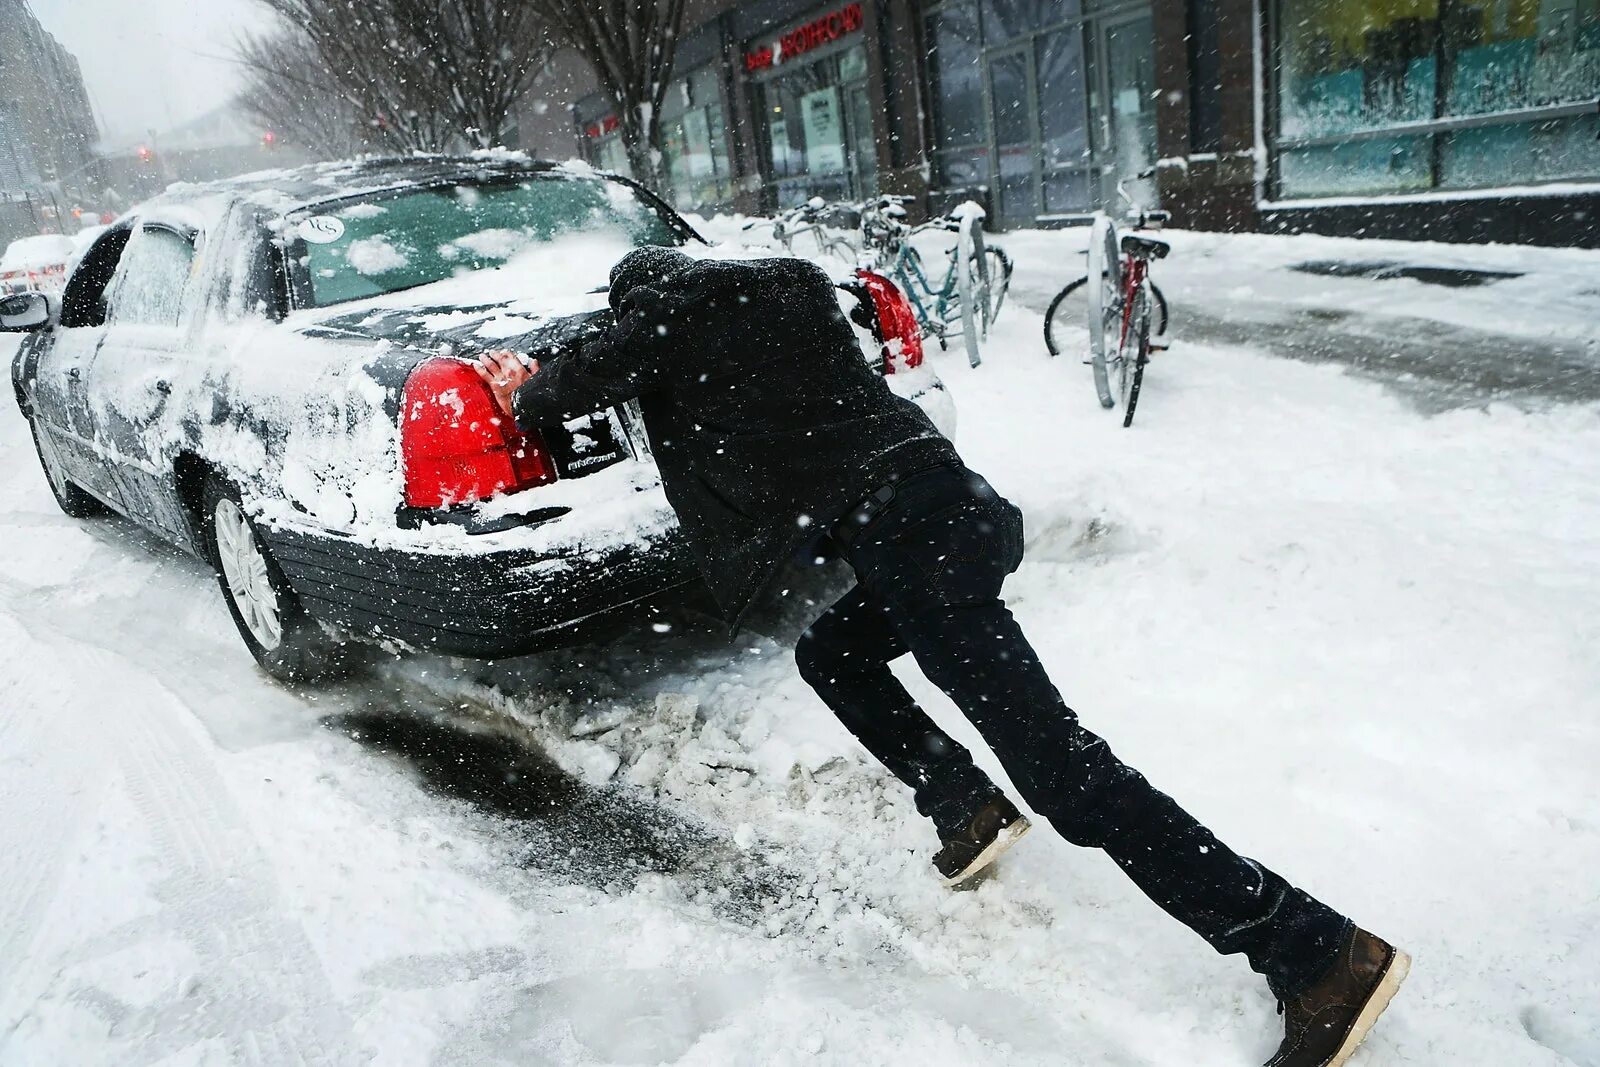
x=1135 y=354
x=844 y=251
x=910 y=276
x=1159 y=326
x=1000 y=268
x=1104 y=305
x=829 y=244
x=1068 y=313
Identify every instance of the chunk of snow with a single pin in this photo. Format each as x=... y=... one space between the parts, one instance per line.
x=375 y=255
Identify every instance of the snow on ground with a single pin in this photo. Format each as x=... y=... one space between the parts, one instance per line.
x=1357 y=640
x=1555 y=295
x=1554 y=292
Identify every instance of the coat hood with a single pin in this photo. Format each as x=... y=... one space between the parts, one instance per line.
x=645 y=266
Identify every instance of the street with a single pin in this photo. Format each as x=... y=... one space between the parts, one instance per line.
x=1334 y=591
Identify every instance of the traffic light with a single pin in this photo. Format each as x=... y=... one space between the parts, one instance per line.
x=145 y=155
x=269 y=139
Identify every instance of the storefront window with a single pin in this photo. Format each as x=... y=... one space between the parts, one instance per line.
x=1005 y=20
x=1386 y=164
x=1063 y=120
x=956 y=71
x=1507 y=54
x=1521 y=152
x=957 y=75
x=1013 y=110
x=819 y=129
x=1064 y=148
x=692 y=131
x=1364 y=66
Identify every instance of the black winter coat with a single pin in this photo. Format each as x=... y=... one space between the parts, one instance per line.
x=766 y=421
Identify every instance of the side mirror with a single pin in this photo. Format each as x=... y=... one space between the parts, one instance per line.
x=24 y=313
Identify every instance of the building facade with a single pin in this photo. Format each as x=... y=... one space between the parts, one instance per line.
x=1423 y=119
x=1438 y=119
x=47 y=130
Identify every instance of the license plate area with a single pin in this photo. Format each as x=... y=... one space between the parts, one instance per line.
x=586 y=444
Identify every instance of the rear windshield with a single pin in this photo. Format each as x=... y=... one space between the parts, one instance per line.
x=392 y=241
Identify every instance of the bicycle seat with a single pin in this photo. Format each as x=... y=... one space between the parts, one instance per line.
x=1150 y=247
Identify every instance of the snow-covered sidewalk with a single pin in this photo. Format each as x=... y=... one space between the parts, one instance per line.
x=1357 y=640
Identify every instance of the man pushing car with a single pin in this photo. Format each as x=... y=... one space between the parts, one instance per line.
x=769 y=428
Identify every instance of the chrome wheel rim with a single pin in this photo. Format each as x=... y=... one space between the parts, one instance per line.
x=244 y=569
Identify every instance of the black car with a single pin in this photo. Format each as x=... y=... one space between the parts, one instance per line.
x=274 y=372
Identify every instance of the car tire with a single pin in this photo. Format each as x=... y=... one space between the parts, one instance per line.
x=76 y=502
x=288 y=643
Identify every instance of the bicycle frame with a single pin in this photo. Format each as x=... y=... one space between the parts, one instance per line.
x=909 y=274
x=1135 y=269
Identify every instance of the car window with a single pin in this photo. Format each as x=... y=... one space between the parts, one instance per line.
x=391 y=241
x=152 y=278
x=84 y=301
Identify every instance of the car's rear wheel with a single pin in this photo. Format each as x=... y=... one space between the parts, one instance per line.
x=288 y=643
x=77 y=503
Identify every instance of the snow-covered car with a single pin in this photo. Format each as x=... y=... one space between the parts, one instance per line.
x=36 y=263
x=274 y=372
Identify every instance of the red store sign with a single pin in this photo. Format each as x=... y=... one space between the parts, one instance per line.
x=814 y=34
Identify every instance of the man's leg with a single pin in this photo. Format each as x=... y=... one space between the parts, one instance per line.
x=845 y=657
x=940 y=581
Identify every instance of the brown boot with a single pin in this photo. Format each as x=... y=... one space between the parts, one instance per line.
x=996 y=827
x=1324 y=1024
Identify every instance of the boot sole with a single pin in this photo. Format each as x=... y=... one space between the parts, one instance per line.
x=1387 y=987
x=1002 y=841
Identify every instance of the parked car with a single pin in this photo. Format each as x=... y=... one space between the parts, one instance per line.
x=35 y=263
x=274 y=372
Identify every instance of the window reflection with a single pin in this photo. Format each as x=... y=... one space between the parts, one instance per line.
x=1362 y=66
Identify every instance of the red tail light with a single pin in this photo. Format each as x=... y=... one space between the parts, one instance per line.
x=455 y=445
x=897 y=322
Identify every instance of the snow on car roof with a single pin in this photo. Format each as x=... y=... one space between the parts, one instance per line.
x=284 y=191
x=44 y=250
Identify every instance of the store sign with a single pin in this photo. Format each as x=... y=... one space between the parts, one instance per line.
x=601 y=128
x=814 y=34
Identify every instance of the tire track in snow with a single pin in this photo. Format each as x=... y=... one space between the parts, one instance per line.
x=43 y=815
x=260 y=988
x=269 y=998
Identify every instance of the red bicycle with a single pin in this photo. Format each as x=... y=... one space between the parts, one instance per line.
x=1125 y=313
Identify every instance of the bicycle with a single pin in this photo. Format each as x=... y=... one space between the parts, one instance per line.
x=809 y=218
x=976 y=278
x=1117 y=297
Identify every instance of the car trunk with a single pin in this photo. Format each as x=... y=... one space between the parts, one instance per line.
x=577 y=447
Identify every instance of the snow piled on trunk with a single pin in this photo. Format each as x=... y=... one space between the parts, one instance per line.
x=1356 y=640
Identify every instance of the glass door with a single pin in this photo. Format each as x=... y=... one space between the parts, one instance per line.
x=863 y=145
x=1012 y=107
x=1126 y=110
x=1061 y=78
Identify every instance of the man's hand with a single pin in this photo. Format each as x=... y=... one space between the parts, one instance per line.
x=503 y=371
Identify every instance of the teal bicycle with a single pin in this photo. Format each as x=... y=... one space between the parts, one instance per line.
x=976 y=275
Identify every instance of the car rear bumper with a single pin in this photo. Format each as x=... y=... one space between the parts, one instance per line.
x=485 y=605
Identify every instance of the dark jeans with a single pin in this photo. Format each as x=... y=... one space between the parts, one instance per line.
x=929 y=571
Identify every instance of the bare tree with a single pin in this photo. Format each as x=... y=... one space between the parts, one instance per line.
x=425 y=74
x=290 y=90
x=632 y=45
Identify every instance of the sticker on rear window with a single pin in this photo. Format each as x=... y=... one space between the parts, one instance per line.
x=321 y=229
